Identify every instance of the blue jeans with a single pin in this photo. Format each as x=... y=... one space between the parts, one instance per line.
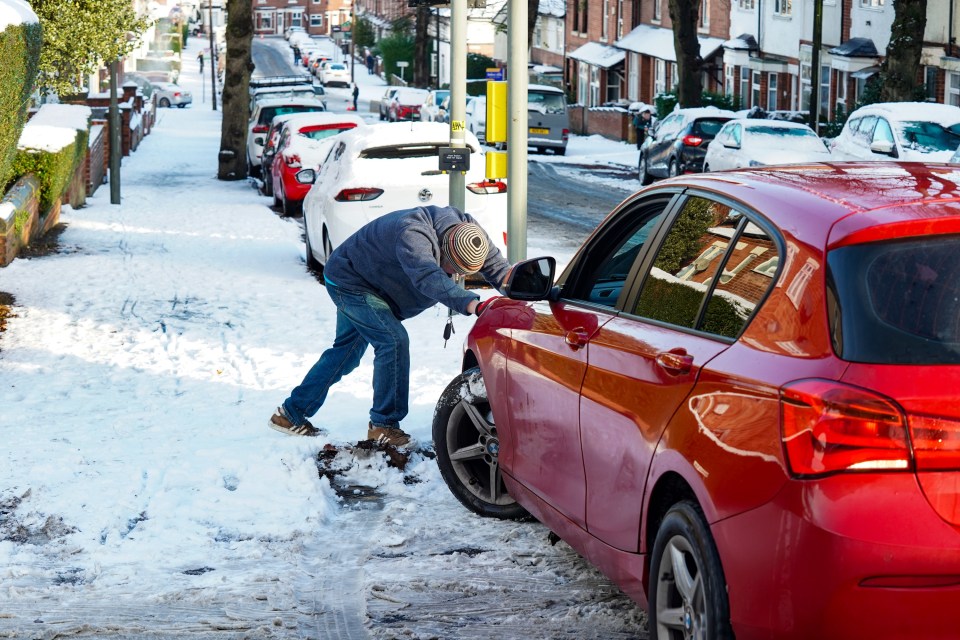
x=362 y=319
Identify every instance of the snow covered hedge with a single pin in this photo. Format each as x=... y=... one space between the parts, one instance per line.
x=20 y=52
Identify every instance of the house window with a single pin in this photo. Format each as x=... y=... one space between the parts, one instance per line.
x=583 y=16
x=594 y=86
x=656 y=10
x=619 y=19
x=296 y=19
x=768 y=267
x=872 y=3
x=825 y=91
x=576 y=15
x=316 y=19
x=747 y=5
x=583 y=84
x=930 y=83
x=783 y=7
x=674 y=78
x=728 y=80
x=633 y=79
x=659 y=77
x=744 y=87
x=771 y=92
x=756 y=89
x=805 y=74
x=841 y=101
x=704 y=15
x=614 y=82
x=953 y=89
x=265 y=22
x=605 y=20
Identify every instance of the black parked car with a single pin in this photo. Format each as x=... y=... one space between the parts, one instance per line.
x=679 y=143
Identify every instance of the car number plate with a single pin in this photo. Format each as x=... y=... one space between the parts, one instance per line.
x=539 y=131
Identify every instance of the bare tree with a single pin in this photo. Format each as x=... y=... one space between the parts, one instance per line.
x=898 y=73
x=421 y=54
x=236 y=91
x=685 y=15
x=533 y=8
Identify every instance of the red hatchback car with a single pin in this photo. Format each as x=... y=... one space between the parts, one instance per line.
x=739 y=400
x=299 y=153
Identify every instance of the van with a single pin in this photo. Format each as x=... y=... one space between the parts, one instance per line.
x=547 y=119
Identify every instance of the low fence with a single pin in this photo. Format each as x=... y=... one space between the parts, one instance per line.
x=609 y=122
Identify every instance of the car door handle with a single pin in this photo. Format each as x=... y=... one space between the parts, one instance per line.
x=675 y=362
x=576 y=338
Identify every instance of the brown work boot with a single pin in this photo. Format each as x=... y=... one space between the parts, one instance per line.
x=281 y=422
x=392 y=436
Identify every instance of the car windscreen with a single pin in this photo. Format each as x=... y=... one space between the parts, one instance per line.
x=896 y=302
x=929 y=137
x=784 y=138
x=708 y=127
x=417 y=150
x=546 y=102
x=269 y=113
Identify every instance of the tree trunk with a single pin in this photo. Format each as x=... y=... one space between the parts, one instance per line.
x=898 y=73
x=236 y=91
x=421 y=50
x=533 y=8
x=685 y=16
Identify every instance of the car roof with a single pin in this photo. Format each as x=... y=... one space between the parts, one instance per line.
x=752 y=123
x=845 y=197
x=692 y=113
x=921 y=111
x=544 y=87
x=398 y=133
x=275 y=102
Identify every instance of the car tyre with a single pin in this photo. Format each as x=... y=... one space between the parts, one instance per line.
x=674 y=170
x=181 y=106
x=465 y=437
x=312 y=263
x=642 y=173
x=290 y=208
x=267 y=185
x=688 y=591
x=560 y=151
x=164 y=103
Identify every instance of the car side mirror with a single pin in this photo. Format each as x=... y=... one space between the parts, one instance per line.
x=258 y=140
x=731 y=144
x=530 y=279
x=883 y=146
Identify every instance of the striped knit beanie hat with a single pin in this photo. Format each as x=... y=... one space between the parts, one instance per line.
x=465 y=247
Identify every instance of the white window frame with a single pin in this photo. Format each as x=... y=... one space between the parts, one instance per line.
x=872 y=4
x=826 y=80
x=746 y=5
x=594 y=86
x=803 y=96
x=583 y=84
x=841 y=101
x=633 y=79
x=659 y=76
x=657 y=11
x=783 y=8
x=773 y=81
x=745 y=87
x=952 y=92
x=605 y=21
x=728 y=83
x=756 y=97
x=619 y=19
x=316 y=19
x=704 y=22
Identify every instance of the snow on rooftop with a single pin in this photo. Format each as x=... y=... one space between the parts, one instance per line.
x=599 y=55
x=16 y=12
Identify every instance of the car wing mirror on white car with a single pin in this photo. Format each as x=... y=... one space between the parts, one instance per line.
x=530 y=279
x=885 y=147
x=731 y=144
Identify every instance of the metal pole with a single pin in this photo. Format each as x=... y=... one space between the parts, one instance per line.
x=353 y=40
x=815 y=66
x=458 y=95
x=517 y=132
x=213 y=57
x=115 y=150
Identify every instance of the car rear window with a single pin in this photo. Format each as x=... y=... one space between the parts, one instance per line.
x=325 y=131
x=269 y=113
x=896 y=302
x=708 y=127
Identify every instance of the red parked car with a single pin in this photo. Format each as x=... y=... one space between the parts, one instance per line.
x=405 y=104
x=739 y=401
x=299 y=151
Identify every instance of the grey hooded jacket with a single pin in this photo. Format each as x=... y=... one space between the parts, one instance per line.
x=397 y=258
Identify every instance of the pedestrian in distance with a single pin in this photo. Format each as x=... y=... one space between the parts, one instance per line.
x=296 y=55
x=391 y=269
x=642 y=122
x=356 y=94
x=370 y=63
x=200 y=60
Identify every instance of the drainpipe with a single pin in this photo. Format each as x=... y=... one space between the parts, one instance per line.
x=950 y=32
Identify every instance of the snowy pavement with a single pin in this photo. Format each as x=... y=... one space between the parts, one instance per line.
x=142 y=494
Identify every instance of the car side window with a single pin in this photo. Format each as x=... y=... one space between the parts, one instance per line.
x=737 y=134
x=699 y=280
x=882 y=132
x=607 y=264
x=865 y=130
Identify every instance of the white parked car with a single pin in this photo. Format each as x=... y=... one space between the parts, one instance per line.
x=477 y=117
x=755 y=143
x=372 y=171
x=903 y=131
x=432 y=108
x=335 y=73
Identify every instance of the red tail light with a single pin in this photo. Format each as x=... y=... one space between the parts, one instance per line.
x=692 y=141
x=565 y=134
x=356 y=195
x=292 y=160
x=828 y=427
x=176 y=94
x=488 y=186
x=936 y=443
x=261 y=128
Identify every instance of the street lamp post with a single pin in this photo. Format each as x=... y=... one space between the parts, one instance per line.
x=213 y=57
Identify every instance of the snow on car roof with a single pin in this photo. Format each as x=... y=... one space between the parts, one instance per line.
x=944 y=114
x=321 y=118
x=400 y=133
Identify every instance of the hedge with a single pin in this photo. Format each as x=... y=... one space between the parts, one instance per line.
x=53 y=170
x=20 y=52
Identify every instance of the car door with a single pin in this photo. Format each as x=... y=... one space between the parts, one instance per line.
x=661 y=146
x=644 y=363
x=548 y=361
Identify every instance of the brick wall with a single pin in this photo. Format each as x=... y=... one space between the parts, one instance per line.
x=609 y=122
